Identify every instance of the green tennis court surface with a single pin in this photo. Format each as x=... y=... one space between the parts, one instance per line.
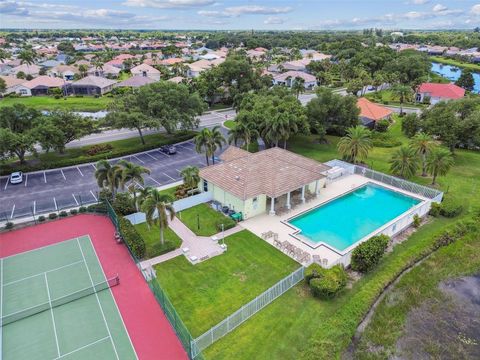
x=55 y=303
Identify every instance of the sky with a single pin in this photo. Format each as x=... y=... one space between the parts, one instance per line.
x=239 y=14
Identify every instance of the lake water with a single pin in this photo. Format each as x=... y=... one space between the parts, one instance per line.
x=453 y=73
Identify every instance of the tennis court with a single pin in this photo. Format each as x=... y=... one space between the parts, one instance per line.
x=56 y=303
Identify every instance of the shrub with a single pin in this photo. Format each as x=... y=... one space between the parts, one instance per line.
x=82 y=209
x=228 y=223
x=63 y=213
x=454 y=233
x=451 y=210
x=52 y=216
x=98 y=149
x=74 y=211
x=382 y=125
x=384 y=140
x=132 y=238
x=41 y=218
x=313 y=271
x=9 y=225
x=416 y=221
x=97 y=208
x=57 y=96
x=330 y=283
x=435 y=209
x=367 y=255
x=123 y=204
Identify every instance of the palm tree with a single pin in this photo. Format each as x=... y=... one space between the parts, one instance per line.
x=142 y=195
x=190 y=176
x=402 y=91
x=208 y=141
x=423 y=143
x=27 y=56
x=298 y=86
x=355 y=144
x=108 y=176
x=83 y=70
x=158 y=204
x=439 y=161
x=404 y=162
x=132 y=173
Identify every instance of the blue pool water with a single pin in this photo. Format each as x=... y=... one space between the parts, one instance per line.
x=452 y=73
x=347 y=219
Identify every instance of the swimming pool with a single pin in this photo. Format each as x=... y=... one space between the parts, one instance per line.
x=347 y=219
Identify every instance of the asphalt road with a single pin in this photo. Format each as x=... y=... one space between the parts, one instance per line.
x=48 y=191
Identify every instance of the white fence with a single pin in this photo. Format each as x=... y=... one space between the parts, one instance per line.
x=179 y=205
x=246 y=311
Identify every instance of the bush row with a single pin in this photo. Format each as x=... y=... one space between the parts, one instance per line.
x=132 y=238
x=325 y=283
x=367 y=255
x=447 y=209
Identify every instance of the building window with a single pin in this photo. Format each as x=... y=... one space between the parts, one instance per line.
x=205 y=185
x=255 y=203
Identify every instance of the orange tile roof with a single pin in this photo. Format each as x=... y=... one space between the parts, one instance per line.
x=371 y=110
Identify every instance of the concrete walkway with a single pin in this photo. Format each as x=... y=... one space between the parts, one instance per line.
x=200 y=248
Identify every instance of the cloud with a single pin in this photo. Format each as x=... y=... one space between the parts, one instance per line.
x=168 y=4
x=12 y=8
x=256 y=10
x=274 y=20
x=475 y=9
x=439 y=8
x=209 y=13
x=418 y=2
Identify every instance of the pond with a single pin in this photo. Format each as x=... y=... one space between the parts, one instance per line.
x=453 y=73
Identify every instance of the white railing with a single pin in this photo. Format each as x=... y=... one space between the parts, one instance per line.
x=246 y=311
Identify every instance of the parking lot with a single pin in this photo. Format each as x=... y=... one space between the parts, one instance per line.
x=53 y=190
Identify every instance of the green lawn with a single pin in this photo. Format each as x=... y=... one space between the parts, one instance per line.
x=386 y=97
x=203 y=220
x=74 y=156
x=206 y=293
x=151 y=236
x=86 y=103
x=229 y=124
x=464 y=65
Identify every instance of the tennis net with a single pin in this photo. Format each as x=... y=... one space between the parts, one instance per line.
x=22 y=314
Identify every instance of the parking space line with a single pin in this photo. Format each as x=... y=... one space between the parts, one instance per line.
x=163 y=153
x=34 y=207
x=91 y=192
x=139 y=185
x=6 y=184
x=64 y=178
x=153 y=157
x=26 y=179
x=13 y=210
x=179 y=171
x=55 y=202
x=155 y=181
x=79 y=171
x=94 y=166
x=45 y=177
x=184 y=147
x=168 y=176
x=141 y=161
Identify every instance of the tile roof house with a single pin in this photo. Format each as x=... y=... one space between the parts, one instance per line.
x=438 y=92
x=41 y=85
x=287 y=79
x=11 y=83
x=135 y=81
x=244 y=180
x=92 y=85
x=65 y=72
x=176 y=79
x=370 y=112
x=146 y=71
x=32 y=70
x=106 y=70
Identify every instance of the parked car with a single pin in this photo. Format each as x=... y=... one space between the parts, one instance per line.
x=16 y=177
x=168 y=149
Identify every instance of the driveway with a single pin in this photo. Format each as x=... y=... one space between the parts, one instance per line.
x=48 y=191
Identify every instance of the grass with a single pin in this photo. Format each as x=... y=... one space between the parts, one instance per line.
x=86 y=103
x=75 y=156
x=386 y=97
x=206 y=293
x=297 y=326
x=151 y=237
x=208 y=218
x=219 y=106
x=460 y=64
x=229 y=124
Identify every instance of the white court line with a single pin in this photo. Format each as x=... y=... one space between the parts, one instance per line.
x=53 y=317
x=45 y=177
x=156 y=182
x=74 y=198
x=143 y=162
x=39 y=274
x=98 y=300
x=55 y=202
x=80 y=171
x=168 y=176
x=83 y=347
x=6 y=184
x=13 y=209
x=153 y=157
x=34 y=207
x=64 y=178
x=91 y=192
x=26 y=179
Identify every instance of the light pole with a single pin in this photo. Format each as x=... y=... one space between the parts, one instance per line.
x=223 y=234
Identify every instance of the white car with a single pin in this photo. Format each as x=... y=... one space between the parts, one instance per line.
x=16 y=177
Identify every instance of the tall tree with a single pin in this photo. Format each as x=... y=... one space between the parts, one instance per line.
x=109 y=176
x=356 y=144
x=439 y=162
x=422 y=144
x=132 y=174
x=466 y=80
x=209 y=141
x=158 y=209
x=403 y=92
x=190 y=176
x=298 y=86
x=27 y=56
x=404 y=162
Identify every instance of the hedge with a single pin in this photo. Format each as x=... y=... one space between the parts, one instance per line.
x=132 y=238
x=326 y=283
x=367 y=255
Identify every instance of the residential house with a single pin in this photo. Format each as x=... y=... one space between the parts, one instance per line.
x=287 y=79
x=251 y=183
x=371 y=113
x=32 y=70
x=176 y=79
x=65 y=72
x=50 y=64
x=197 y=67
x=135 y=81
x=41 y=85
x=92 y=85
x=146 y=71
x=12 y=83
x=434 y=93
x=107 y=71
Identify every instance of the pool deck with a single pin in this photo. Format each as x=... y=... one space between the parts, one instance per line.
x=263 y=223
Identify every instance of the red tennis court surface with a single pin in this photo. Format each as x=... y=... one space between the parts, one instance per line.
x=151 y=333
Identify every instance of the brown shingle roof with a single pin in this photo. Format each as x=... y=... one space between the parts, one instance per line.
x=272 y=172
